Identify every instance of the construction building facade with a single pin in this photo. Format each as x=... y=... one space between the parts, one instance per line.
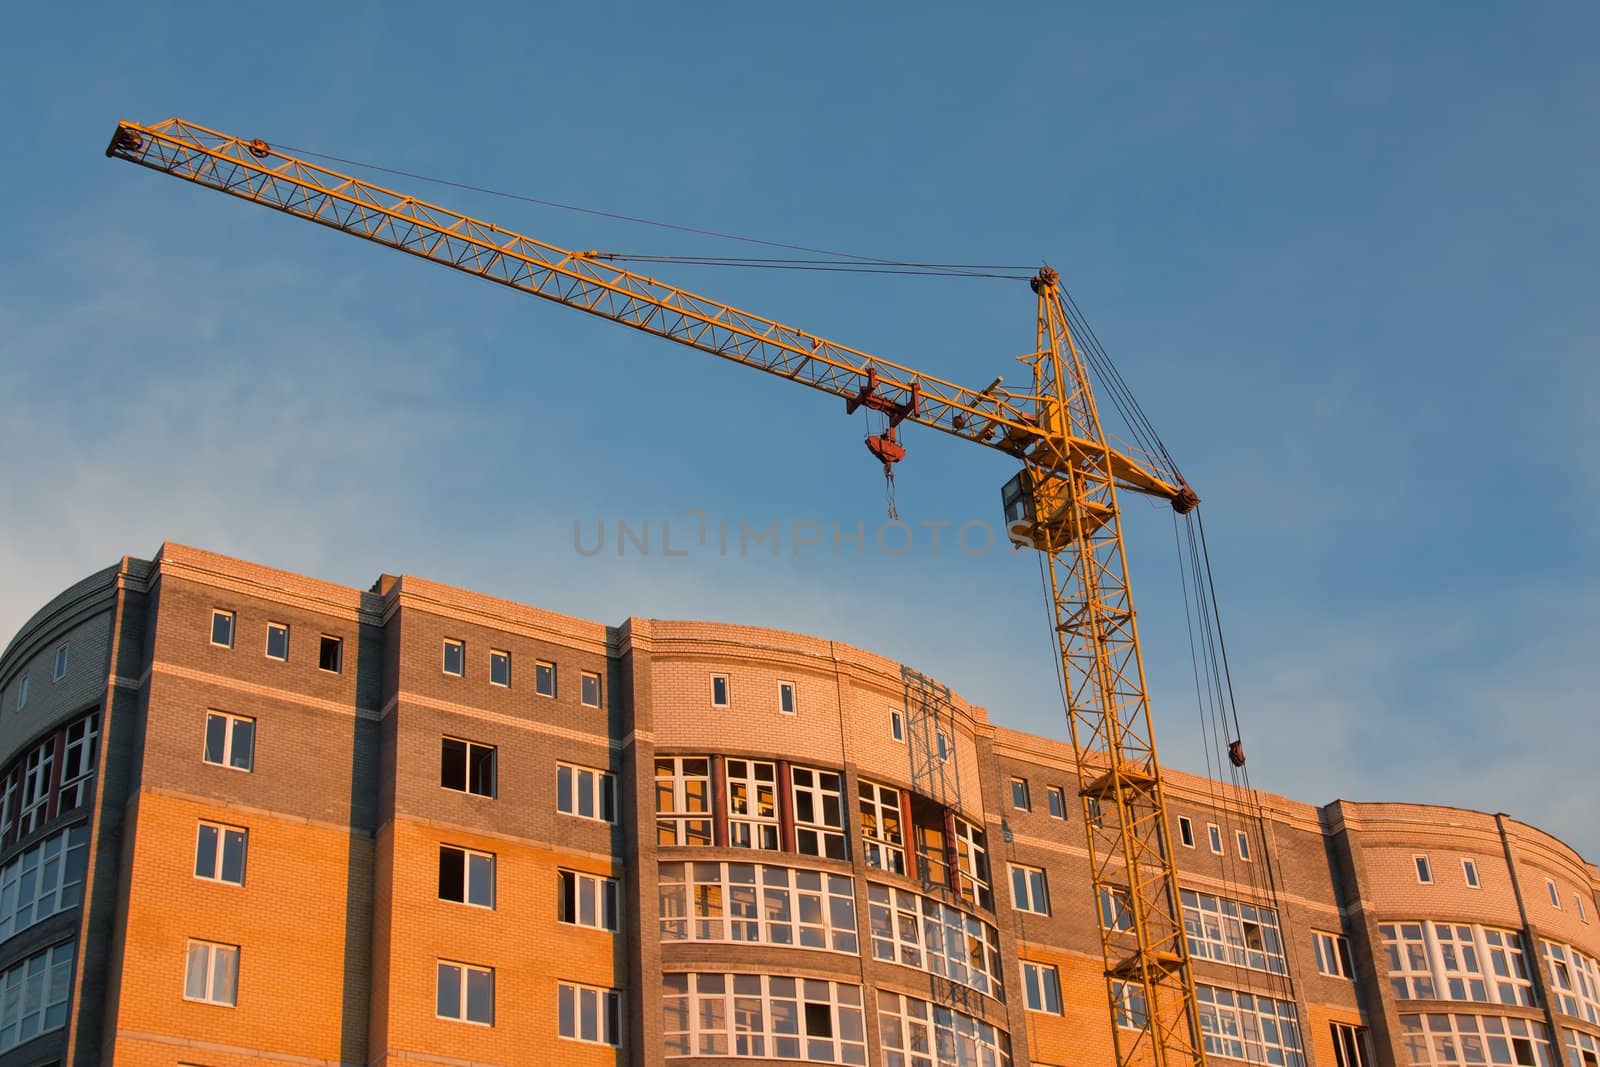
x=254 y=818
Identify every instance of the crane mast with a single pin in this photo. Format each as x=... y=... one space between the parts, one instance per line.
x=1063 y=503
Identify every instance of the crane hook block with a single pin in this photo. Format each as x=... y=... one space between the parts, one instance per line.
x=124 y=140
x=886 y=448
x=1186 y=500
x=259 y=148
x=1236 y=753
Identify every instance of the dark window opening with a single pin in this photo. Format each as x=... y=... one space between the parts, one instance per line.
x=330 y=654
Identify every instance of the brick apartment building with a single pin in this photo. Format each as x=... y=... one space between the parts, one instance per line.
x=253 y=818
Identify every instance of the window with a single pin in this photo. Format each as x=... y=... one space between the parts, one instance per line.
x=219 y=853
x=1186 y=831
x=1333 y=955
x=1215 y=836
x=222 y=628
x=230 y=740
x=1438 y=1040
x=60 y=670
x=1244 y=1026
x=330 y=654
x=882 y=840
x=1019 y=795
x=1583 y=1050
x=818 y=813
x=455 y=658
x=586 y=792
x=36 y=786
x=972 y=865
x=213 y=973
x=1469 y=871
x=719 y=690
x=544 y=678
x=1424 y=869
x=589 y=689
x=897 y=726
x=941 y=939
x=45 y=879
x=1554 y=893
x=1056 y=798
x=769 y=1016
x=35 y=995
x=588 y=900
x=22 y=693
x=500 y=668
x=1350 y=1045
x=586 y=1013
x=465 y=993
x=1093 y=806
x=752 y=804
x=1242 y=839
x=1575 y=986
x=912 y=1028
x=1448 y=961
x=77 y=762
x=758 y=904
x=1029 y=891
x=944 y=746
x=277 y=641
x=1116 y=908
x=1041 y=987
x=786 y=698
x=466 y=876
x=1231 y=931
x=1577 y=904
x=1130 y=1012
x=467 y=767
x=683 y=801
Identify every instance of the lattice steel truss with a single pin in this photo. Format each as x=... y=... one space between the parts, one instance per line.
x=1072 y=472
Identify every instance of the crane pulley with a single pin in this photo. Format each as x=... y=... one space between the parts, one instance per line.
x=1063 y=503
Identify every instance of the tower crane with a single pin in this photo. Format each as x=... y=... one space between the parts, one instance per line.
x=1063 y=503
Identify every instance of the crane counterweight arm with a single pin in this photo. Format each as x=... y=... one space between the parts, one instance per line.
x=252 y=170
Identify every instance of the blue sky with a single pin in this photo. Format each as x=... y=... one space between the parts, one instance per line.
x=1347 y=261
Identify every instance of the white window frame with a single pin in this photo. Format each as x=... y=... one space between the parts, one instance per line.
x=689 y=826
x=461 y=654
x=1241 y=841
x=938 y=938
x=973 y=873
x=1457 y=962
x=602 y=894
x=1236 y=1030
x=1025 y=894
x=788 y=693
x=1027 y=794
x=233 y=627
x=897 y=727
x=584 y=678
x=1469 y=873
x=1576 y=987
x=1554 y=893
x=883 y=845
x=271 y=626
x=338 y=653
x=229 y=731
x=727 y=692
x=1348 y=1038
x=733 y=902
x=1039 y=982
x=817 y=835
x=56 y=867
x=1577 y=902
x=697 y=998
x=1423 y=867
x=467 y=856
x=1220 y=929
x=943 y=744
x=498 y=656
x=545 y=677
x=1332 y=951
x=755 y=824
x=214 y=952
x=607 y=1007
x=1214 y=838
x=218 y=863
x=462 y=971
x=932 y=1026
x=1448 y=1027
x=1055 y=801
x=33 y=989
x=599 y=786
x=466 y=784
x=22 y=691
x=59 y=670
x=1185 y=832
x=36 y=786
x=1116 y=908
